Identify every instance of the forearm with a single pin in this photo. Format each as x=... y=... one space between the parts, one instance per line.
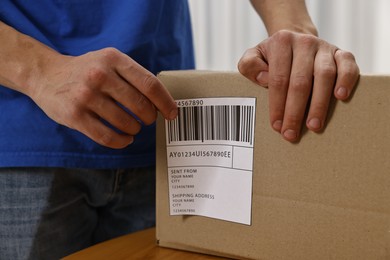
x=285 y=15
x=22 y=60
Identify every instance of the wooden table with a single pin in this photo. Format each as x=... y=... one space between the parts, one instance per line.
x=139 y=245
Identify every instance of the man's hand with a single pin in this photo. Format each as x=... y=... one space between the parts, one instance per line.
x=89 y=91
x=300 y=70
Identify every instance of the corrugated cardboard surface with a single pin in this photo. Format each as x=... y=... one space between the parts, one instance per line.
x=325 y=197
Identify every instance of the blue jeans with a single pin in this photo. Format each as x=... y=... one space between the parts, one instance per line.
x=48 y=213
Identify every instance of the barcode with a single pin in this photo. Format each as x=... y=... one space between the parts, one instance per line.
x=217 y=122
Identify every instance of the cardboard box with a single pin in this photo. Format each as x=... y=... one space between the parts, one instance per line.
x=325 y=197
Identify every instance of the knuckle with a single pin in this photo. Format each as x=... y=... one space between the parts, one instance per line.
x=141 y=103
x=105 y=58
x=106 y=139
x=245 y=63
x=129 y=123
x=96 y=75
x=74 y=113
x=326 y=71
x=246 y=66
x=350 y=72
x=145 y=108
x=130 y=126
x=151 y=119
x=242 y=66
x=111 y=138
x=300 y=84
x=347 y=65
x=353 y=69
x=124 y=122
x=136 y=128
x=293 y=121
x=283 y=36
x=345 y=55
x=85 y=94
x=307 y=40
x=278 y=81
x=110 y=53
x=151 y=84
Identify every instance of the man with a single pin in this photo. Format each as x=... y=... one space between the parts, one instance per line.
x=80 y=97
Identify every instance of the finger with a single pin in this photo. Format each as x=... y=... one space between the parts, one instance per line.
x=279 y=55
x=300 y=87
x=324 y=78
x=111 y=112
x=94 y=128
x=149 y=86
x=347 y=74
x=131 y=98
x=253 y=65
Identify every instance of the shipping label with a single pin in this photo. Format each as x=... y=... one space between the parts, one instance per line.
x=210 y=158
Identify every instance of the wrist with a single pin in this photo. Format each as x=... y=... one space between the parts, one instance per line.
x=291 y=15
x=306 y=28
x=36 y=74
x=23 y=60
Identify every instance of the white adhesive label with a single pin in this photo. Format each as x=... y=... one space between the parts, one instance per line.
x=210 y=158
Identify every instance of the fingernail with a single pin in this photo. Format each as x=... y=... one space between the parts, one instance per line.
x=173 y=114
x=342 y=92
x=290 y=134
x=277 y=125
x=314 y=124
